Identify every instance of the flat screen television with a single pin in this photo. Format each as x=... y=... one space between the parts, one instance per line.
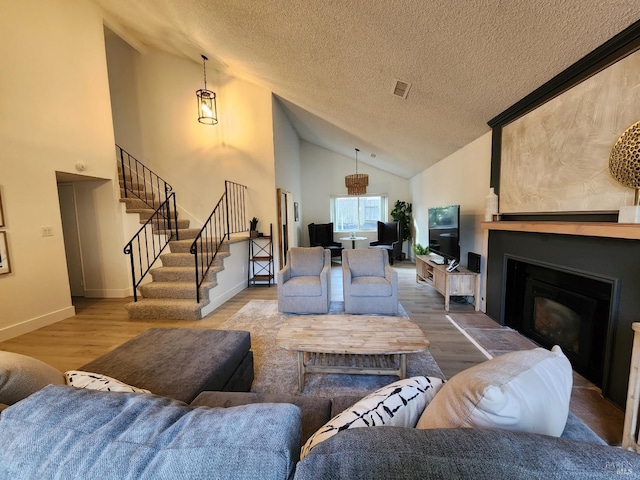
x=444 y=231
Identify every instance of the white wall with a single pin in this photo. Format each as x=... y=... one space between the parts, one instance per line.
x=286 y=145
x=159 y=90
x=54 y=99
x=194 y=158
x=323 y=173
x=461 y=178
x=125 y=104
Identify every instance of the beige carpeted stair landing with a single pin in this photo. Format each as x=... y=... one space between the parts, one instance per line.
x=172 y=292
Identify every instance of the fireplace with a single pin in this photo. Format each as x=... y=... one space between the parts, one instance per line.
x=612 y=261
x=555 y=306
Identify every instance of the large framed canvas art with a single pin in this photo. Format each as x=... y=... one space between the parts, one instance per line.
x=556 y=157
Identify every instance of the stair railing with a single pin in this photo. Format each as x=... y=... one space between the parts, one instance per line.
x=147 y=244
x=228 y=217
x=153 y=237
x=140 y=182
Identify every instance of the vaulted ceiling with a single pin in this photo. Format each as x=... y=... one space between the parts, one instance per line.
x=333 y=64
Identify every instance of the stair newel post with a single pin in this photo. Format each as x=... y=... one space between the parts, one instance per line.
x=226 y=196
x=175 y=213
x=194 y=251
x=128 y=250
x=124 y=175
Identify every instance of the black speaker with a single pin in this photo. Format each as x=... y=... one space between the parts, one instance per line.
x=473 y=262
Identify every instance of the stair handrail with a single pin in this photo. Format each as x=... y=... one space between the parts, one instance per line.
x=154 y=188
x=163 y=220
x=227 y=217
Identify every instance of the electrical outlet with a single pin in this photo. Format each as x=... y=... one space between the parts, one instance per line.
x=47 y=231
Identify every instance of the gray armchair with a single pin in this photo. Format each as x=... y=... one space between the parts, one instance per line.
x=370 y=284
x=304 y=284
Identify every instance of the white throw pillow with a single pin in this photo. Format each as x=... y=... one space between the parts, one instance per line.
x=398 y=404
x=526 y=391
x=97 y=381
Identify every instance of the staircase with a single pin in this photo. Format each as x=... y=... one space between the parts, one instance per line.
x=171 y=293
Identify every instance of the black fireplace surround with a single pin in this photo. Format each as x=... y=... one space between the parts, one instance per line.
x=598 y=280
x=556 y=306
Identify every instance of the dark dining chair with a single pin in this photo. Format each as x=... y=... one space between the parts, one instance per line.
x=321 y=235
x=389 y=238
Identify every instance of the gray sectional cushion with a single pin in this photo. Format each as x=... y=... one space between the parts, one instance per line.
x=316 y=411
x=67 y=433
x=576 y=429
x=381 y=453
x=176 y=362
x=20 y=376
x=340 y=403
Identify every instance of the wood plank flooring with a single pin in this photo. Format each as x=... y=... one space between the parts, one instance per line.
x=102 y=324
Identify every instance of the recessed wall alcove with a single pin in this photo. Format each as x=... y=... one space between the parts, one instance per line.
x=614 y=261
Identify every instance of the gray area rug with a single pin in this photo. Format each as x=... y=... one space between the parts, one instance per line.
x=276 y=368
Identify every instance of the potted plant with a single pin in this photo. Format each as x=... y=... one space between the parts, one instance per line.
x=253 y=225
x=402 y=213
x=420 y=250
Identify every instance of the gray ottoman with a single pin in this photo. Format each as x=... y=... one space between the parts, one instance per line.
x=180 y=363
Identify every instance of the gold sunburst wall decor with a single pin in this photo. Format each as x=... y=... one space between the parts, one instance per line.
x=624 y=160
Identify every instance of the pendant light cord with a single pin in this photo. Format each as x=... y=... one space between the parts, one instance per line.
x=204 y=70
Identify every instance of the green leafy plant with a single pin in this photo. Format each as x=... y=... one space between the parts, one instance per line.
x=253 y=223
x=402 y=213
x=420 y=250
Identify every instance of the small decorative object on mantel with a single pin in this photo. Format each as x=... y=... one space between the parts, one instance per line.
x=253 y=224
x=624 y=166
x=491 y=206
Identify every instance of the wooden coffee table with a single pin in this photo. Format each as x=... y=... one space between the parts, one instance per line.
x=351 y=344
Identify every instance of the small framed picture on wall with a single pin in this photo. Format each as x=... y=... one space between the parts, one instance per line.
x=5 y=266
x=1 y=212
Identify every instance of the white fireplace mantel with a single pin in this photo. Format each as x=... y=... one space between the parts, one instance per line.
x=629 y=231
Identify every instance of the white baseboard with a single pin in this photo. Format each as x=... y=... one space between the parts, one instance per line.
x=109 y=293
x=27 y=326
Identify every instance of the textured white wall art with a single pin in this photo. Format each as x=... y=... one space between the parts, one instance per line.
x=556 y=158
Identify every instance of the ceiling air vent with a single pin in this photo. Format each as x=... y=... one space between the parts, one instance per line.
x=400 y=88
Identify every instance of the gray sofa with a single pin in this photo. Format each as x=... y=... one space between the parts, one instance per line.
x=68 y=433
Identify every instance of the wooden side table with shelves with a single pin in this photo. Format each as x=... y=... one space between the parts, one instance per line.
x=261 y=270
x=461 y=282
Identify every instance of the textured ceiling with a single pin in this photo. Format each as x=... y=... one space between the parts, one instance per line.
x=333 y=63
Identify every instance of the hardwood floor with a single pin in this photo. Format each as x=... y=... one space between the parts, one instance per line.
x=102 y=324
